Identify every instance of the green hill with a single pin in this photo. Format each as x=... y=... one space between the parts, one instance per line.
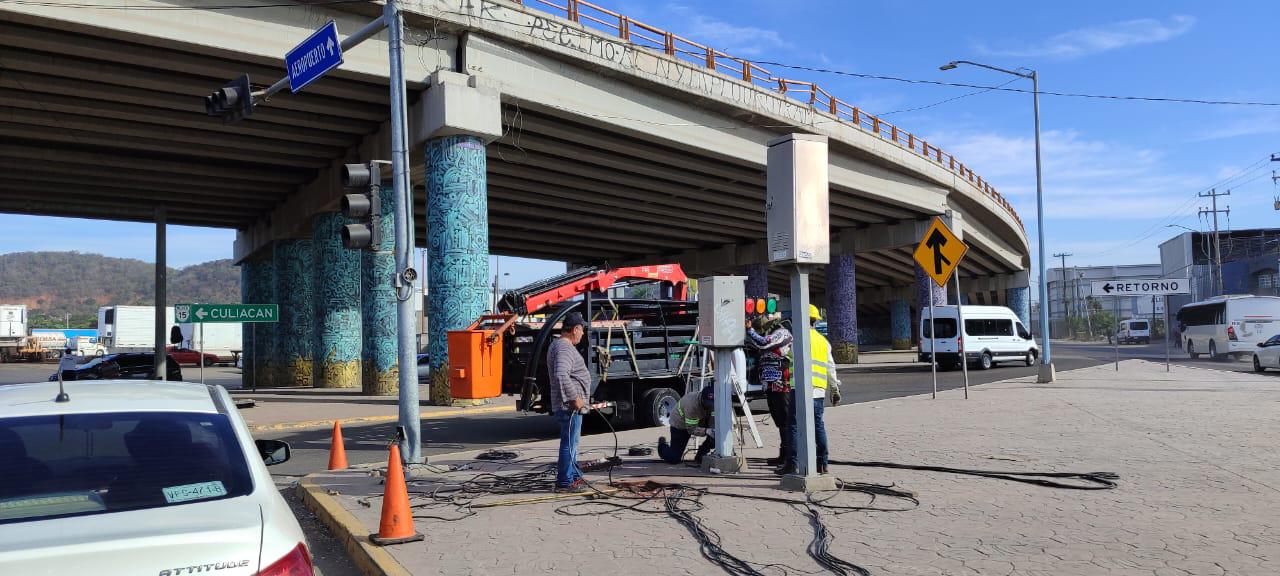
x=54 y=284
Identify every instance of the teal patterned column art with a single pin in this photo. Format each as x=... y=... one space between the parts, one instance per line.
x=295 y=333
x=336 y=304
x=257 y=339
x=379 y=357
x=900 y=324
x=1019 y=300
x=457 y=246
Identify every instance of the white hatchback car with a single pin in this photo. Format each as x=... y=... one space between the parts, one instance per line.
x=132 y=477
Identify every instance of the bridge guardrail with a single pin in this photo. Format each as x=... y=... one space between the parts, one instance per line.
x=818 y=99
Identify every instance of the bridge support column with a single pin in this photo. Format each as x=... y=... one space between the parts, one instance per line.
x=458 y=116
x=457 y=247
x=380 y=361
x=923 y=285
x=1018 y=296
x=336 y=303
x=295 y=335
x=257 y=339
x=757 y=280
x=900 y=324
x=842 y=308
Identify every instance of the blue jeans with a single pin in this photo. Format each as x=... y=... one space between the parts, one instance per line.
x=819 y=430
x=570 y=430
x=672 y=453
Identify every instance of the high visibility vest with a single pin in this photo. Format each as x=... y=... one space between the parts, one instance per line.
x=819 y=351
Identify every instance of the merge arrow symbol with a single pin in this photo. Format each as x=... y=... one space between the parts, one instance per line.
x=935 y=242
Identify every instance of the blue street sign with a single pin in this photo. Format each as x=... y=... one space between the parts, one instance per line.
x=319 y=53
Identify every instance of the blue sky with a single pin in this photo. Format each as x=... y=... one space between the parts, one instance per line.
x=1115 y=172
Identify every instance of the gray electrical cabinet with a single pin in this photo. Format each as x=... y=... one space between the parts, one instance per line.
x=721 y=311
x=796 y=210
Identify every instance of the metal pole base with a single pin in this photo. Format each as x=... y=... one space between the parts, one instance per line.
x=724 y=464
x=1047 y=374
x=813 y=483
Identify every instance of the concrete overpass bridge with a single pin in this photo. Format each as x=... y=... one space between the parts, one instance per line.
x=557 y=131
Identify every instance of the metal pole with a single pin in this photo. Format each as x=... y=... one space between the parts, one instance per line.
x=933 y=345
x=806 y=457
x=201 y=353
x=964 y=363
x=724 y=402
x=253 y=340
x=1166 y=333
x=162 y=296
x=348 y=43
x=1046 y=360
x=1116 y=333
x=411 y=450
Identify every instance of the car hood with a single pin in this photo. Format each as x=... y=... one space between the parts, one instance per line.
x=217 y=538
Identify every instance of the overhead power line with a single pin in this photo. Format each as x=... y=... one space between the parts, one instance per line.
x=1001 y=88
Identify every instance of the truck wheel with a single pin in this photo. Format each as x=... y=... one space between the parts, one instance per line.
x=1191 y=350
x=1031 y=358
x=1213 y=351
x=656 y=405
x=985 y=362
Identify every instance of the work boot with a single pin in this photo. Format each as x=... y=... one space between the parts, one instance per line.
x=822 y=469
x=785 y=468
x=775 y=462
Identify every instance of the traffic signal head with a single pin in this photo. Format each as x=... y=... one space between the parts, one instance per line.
x=232 y=102
x=364 y=207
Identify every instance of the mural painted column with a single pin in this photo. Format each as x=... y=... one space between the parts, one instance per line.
x=257 y=339
x=336 y=304
x=1019 y=300
x=757 y=280
x=457 y=246
x=923 y=284
x=842 y=308
x=900 y=324
x=295 y=334
x=379 y=356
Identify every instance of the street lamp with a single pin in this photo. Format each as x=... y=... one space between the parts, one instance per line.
x=1046 y=365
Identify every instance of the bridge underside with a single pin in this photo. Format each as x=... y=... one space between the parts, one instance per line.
x=93 y=126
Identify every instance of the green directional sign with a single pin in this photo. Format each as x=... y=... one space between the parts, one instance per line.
x=209 y=313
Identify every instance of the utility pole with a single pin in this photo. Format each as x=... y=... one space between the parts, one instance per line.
x=1066 y=309
x=1275 y=178
x=1213 y=195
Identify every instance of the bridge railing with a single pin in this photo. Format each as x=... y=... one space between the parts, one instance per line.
x=645 y=36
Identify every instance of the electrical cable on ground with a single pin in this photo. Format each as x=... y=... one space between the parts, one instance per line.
x=1094 y=480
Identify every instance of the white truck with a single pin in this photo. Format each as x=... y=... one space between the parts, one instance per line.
x=219 y=339
x=13 y=330
x=131 y=328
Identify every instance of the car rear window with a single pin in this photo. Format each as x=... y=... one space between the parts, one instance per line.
x=1137 y=325
x=77 y=464
x=946 y=327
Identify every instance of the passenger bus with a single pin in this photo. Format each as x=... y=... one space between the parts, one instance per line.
x=1228 y=325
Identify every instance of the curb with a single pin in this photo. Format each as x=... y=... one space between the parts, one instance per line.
x=282 y=426
x=346 y=528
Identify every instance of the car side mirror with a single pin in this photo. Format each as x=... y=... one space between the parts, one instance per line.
x=1262 y=344
x=273 y=451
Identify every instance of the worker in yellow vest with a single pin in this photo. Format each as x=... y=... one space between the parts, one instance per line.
x=824 y=378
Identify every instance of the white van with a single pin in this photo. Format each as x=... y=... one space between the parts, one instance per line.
x=992 y=334
x=1134 y=332
x=1228 y=325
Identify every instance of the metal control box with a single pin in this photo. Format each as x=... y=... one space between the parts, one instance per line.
x=721 y=311
x=796 y=210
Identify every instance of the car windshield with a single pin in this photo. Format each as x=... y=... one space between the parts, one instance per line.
x=78 y=464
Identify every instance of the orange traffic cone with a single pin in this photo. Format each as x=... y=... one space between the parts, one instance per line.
x=337 y=452
x=396 y=525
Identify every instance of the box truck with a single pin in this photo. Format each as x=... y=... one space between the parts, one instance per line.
x=222 y=339
x=131 y=328
x=13 y=330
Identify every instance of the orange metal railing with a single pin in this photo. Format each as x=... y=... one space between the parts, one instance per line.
x=651 y=38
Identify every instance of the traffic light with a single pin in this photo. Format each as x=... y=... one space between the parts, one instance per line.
x=232 y=102
x=758 y=306
x=366 y=207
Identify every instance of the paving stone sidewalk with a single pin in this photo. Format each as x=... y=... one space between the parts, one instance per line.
x=1195 y=449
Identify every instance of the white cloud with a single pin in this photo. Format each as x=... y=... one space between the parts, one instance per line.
x=1098 y=39
x=748 y=41
x=1083 y=179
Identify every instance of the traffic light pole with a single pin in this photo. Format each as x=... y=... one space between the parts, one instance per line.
x=411 y=450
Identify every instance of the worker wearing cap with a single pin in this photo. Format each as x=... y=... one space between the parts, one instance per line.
x=691 y=417
x=823 y=377
x=570 y=396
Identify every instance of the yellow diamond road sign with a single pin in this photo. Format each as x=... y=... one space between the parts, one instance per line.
x=940 y=252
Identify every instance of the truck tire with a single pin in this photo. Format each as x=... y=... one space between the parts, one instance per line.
x=1213 y=352
x=1191 y=350
x=656 y=404
x=985 y=362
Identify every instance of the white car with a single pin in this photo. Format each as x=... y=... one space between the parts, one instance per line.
x=1267 y=354
x=130 y=477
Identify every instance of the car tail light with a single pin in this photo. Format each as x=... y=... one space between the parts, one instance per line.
x=960 y=343
x=296 y=563
x=1231 y=333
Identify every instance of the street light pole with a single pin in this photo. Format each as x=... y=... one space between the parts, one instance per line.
x=1046 y=361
